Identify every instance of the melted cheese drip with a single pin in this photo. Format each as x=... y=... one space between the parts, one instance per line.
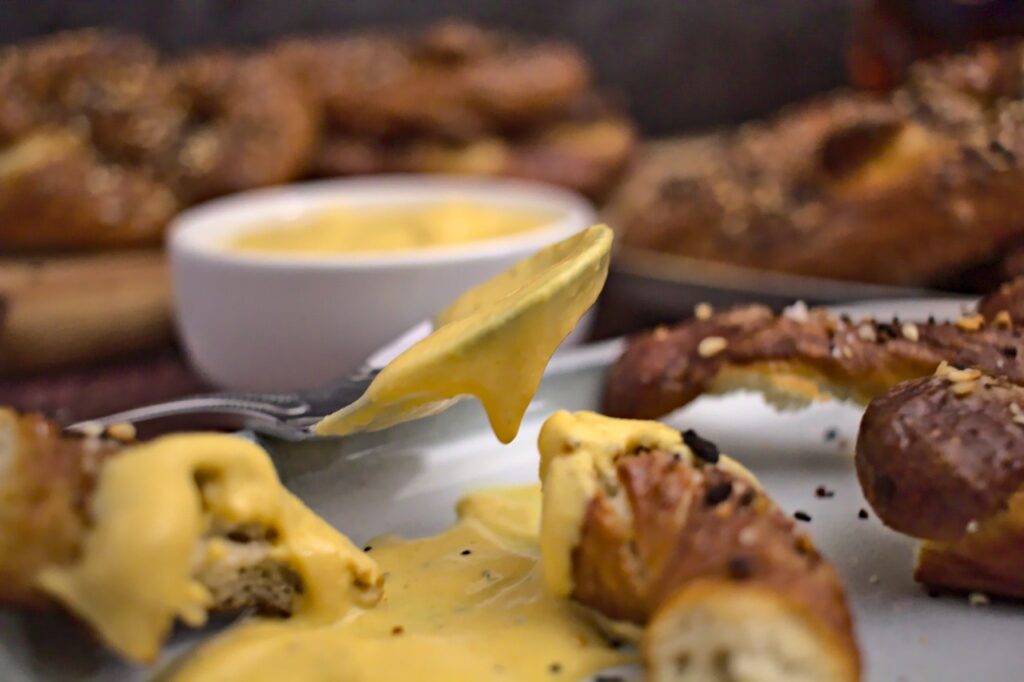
x=448 y=615
x=355 y=230
x=578 y=452
x=493 y=342
x=134 y=576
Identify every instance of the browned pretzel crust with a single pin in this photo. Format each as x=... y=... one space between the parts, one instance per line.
x=941 y=458
x=799 y=356
x=686 y=538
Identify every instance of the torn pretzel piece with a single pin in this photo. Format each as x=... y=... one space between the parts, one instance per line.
x=797 y=359
x=688 y=547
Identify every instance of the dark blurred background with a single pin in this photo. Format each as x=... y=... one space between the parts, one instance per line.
x=733 y=59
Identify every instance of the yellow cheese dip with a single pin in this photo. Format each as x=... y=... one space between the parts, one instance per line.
x=493 y=342
x=467 y=605
x=365 y=229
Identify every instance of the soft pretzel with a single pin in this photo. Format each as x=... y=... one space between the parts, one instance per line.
x=651 y=527
x=78 y=113
x=800 y=356
x=453 y=80
x=906 y=188
x=941 y=458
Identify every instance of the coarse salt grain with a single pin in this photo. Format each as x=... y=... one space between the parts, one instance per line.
x=866 y=332
x=797 y=312
x=910 y=331
x=747 y=537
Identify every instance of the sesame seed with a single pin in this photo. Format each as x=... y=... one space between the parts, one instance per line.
x=367 y=548
x=955 y=375
x=977 y=599
x=831 y=433
x=703 y=311
x=910 y=331
x=466 y=552
x=962 y=388
x=971 y=323
x=862 y=514
x=711 y=346
x=823 y=492
x=866 y=332
x=972 y=527
x=555 y=668
x=397 y=630
x=802 y=516
x=874 y=579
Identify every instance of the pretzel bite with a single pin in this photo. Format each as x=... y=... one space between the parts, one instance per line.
x=654 y=528
x=84 y=523
x=798 y=357
x=941 y=458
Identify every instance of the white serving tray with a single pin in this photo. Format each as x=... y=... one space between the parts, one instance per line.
x=407 y=480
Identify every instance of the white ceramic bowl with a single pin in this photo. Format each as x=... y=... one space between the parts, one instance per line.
x=274 y=322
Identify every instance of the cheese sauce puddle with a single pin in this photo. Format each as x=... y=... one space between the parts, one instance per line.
x=355 y=230
x=467 y=604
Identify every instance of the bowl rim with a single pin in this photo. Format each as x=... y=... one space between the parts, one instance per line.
x=200 y=231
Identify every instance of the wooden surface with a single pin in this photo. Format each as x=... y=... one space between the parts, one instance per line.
x=76 y=310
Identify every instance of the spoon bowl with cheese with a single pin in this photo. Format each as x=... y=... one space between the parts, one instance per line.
x=292 y=287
